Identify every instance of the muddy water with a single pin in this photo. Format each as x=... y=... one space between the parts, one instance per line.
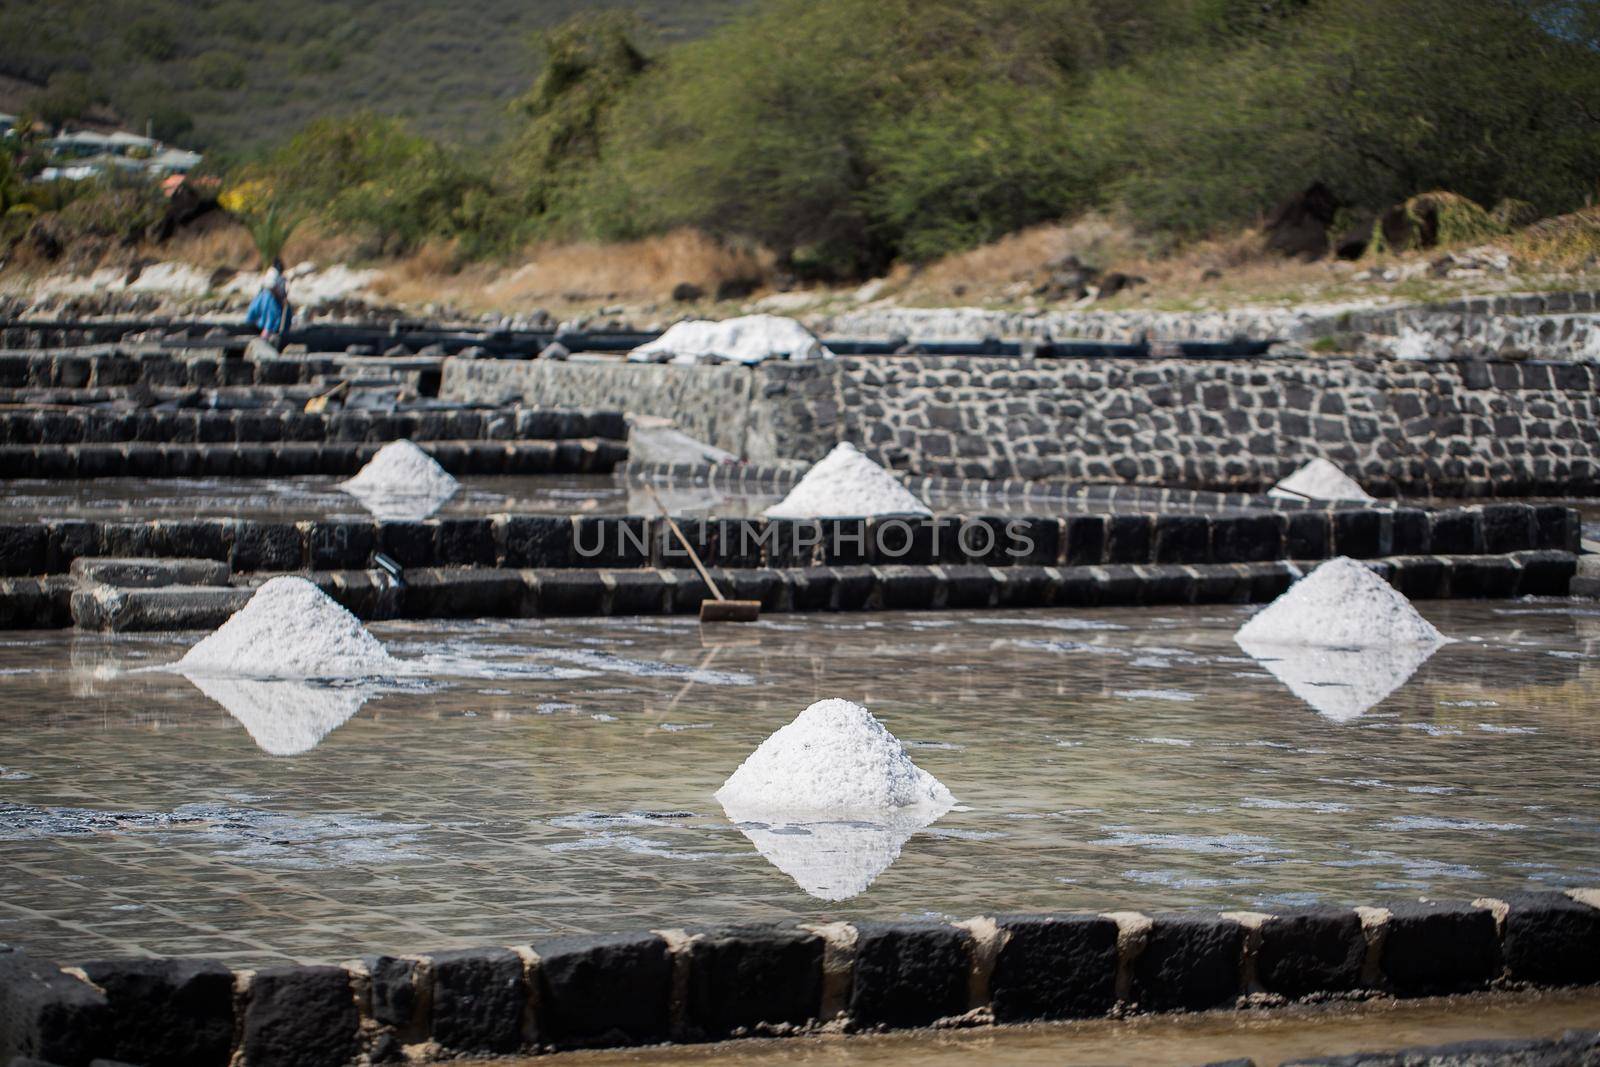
x=1269 y=1038
x=539 y=777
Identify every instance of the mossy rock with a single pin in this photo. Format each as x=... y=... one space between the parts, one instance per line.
x=1432 y=219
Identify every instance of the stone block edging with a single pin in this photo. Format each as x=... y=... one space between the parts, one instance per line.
x=698 y=984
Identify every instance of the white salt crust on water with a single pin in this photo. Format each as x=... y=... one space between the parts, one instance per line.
x=401 y=468
x=1320 y=480
x=747 y=339
x=289 y=629
x=1341 y=604
x=846 y=484
x=835 y=759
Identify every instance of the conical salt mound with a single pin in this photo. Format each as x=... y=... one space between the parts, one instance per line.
x=1341 y=604
x=289 y=629
x=845 y=484
x=400 y=468
x=833 y=759
x=1320 y=480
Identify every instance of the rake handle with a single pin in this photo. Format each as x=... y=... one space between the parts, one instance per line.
x=684 y=541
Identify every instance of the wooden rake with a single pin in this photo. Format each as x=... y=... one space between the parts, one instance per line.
x=721 y=609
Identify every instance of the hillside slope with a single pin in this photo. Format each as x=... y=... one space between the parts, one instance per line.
x=234 y=75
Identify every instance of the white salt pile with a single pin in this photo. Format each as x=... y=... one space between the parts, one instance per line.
x=289 y=629
x=834 y=759
x=748 y=339
x=1341 y=604
x=400 y=468
x=846 y=484
x=284 y=717
x=1320 y=480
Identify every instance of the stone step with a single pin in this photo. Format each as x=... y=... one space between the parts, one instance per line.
x=150 y=573
x=172 y=607
x=289 y=459
x=487 y=592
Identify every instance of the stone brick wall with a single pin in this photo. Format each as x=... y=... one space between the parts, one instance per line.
x=1471 y=427
x=711 y=404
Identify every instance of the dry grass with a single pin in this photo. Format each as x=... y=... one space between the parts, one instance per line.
x=1564 y=242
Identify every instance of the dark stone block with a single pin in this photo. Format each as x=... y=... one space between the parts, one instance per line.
x=343 y=545
x=24 y=547
x=1247 y=538
x=479 y=1000
x=46 y=1014
x=968 y=587
x=462 y=594
x=410 y=544
x=1358 y=534
x=571 y=592
x=909 y=974
x=191 y=538
x=1551 y=940
x=1182 y=539
x=1421 y=577
x=1314 y=950
x=641 y=592
x=907 y=588
x=607 y=990
x=1489 y=577
x=1128 y=538
x=1436 y=948
x=1188 y=963
x=1546 y=573
x=1507 y=527
x=1025 y=587
x=465 y=543
x=535 y=540
x=810 y=589
x=1556 y=526
x=394 y=991
x=266 y=546
x=743 y=979
x=623 y=541
x=300 y=1017
x=1408 y=532
x=1455 y=532
x=1086 y=540
x=1308 y=534
x=790 y=542
x=166 y=1010
x=1055 y=967
x=915 y=541
x=69 y=539
x=845 y=542
x=853 y=588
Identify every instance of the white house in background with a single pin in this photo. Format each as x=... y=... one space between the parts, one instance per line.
x=7 y=124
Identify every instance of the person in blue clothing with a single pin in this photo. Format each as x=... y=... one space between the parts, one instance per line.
x=270 y=311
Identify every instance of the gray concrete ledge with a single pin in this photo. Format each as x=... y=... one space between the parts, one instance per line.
x=704 y=984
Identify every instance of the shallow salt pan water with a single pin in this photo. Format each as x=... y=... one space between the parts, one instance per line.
x=559 y=776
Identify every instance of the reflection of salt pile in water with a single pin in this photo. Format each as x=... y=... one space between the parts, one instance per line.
x=846 y=484
x=1320 y=480
x=289 y=629
x=284 y=717
x=1342 y=639
x=831 y=798
x=401 y=483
